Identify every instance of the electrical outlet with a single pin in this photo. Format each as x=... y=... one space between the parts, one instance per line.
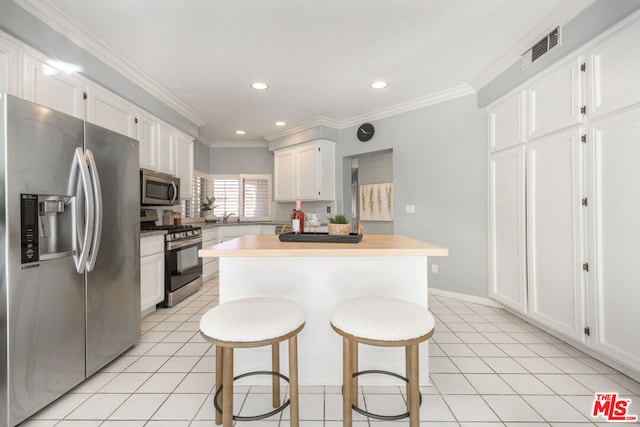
x=410 y=209
x=328 y=209
x=434 y=268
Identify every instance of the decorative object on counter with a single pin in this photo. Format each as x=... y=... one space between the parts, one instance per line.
x=167 y=217
x=297 y=218
x=339 y=226
x=321 y=237
x=376 y=202
x=313 y=221
x=208 y=207
x=177 y=221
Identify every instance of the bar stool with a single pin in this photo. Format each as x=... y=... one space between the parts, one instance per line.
x=385 y=322
x=254 y=322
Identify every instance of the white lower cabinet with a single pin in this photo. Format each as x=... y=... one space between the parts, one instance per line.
x=555 y=230
x=210 y=237
x=507 y=267
x=615 y=235
x=151 y=272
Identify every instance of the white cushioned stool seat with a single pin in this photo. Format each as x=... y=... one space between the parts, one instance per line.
x=384 y=322
x=252 y=319
x=382 y=319
x=254 y=322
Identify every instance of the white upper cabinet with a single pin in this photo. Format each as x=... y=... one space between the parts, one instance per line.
x=284 y=175
x=555 y=238
x=614 y=66
x=148 y=139
x=46 y=85
x=184 y=164
x=111 y=112
x=507 y=267
x=305 y=172
x=166 y=150
x=555 y=98
x=507 y=121
x=615 y=234
x=8 y=67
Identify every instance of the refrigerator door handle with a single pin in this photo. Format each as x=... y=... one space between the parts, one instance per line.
x=79 y=162
x=97 y=199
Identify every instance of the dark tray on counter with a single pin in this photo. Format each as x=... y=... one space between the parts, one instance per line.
x=320 y=238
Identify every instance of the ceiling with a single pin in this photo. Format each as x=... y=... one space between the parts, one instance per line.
x=318 y=56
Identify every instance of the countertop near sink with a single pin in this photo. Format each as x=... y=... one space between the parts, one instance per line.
x=149 y=233
x=234 y=224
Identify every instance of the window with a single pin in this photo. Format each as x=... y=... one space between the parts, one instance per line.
x=244 y=196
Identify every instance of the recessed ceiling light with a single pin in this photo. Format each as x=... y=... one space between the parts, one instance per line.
x=240 y=132
x=379 y=84
x=259 y=85
x=280 y=124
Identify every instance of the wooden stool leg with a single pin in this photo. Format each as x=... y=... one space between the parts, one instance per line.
x=354 y=369
x=347 y=382
x=219 y=358
x=227 y=383
x=275 y=367
x=293 y=381
x=413 y=373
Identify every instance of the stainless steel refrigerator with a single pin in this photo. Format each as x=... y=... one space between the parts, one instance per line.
x=70 y=253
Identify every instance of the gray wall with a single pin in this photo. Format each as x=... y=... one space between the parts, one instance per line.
x=201 y=156
x=440 y=166
x=240 y=160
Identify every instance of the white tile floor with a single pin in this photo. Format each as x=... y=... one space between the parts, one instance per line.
x=488 y=368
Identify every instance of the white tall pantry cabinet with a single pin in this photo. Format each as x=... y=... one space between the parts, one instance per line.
x=563 y=200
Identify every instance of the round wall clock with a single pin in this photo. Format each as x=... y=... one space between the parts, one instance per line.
x=365 y=132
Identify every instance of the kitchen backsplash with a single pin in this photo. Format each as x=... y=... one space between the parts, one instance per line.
x=281 y=212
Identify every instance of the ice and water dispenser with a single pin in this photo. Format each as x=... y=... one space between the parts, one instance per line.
x=46 y=227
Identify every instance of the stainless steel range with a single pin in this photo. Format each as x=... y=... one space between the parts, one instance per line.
x=183 y=266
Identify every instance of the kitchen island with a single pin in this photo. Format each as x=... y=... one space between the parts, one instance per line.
x=317 y=276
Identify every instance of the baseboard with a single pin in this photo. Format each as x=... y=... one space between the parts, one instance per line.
x=465 y=297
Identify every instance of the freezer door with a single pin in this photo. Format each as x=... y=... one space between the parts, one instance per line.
x=113 y=285
x=42 y=321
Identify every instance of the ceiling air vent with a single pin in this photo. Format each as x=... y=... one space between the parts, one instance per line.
x=539 y=49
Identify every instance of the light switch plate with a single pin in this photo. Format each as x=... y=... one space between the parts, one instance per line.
x=410 y=209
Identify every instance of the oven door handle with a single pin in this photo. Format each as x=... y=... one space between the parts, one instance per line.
x=184 y=243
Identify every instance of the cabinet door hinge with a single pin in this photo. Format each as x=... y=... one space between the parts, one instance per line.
x=84 y=95
x=135 y=120
x=583 y=110
x=583 y=66
x=587 y=331
x=585 y=266
x=584 y=138
x=585 y=202
x=318 y=148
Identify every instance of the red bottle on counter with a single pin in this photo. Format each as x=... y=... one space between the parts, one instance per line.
x=297 y=218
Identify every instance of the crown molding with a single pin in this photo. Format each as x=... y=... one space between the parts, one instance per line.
x=559 y=17
x=414 y=104
x=302 y=126
x=239 y=144
x=48 y=13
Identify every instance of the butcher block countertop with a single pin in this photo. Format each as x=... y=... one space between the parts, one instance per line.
x=371 y=245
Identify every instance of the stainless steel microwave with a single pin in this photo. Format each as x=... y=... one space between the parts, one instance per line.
x=158 y=189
